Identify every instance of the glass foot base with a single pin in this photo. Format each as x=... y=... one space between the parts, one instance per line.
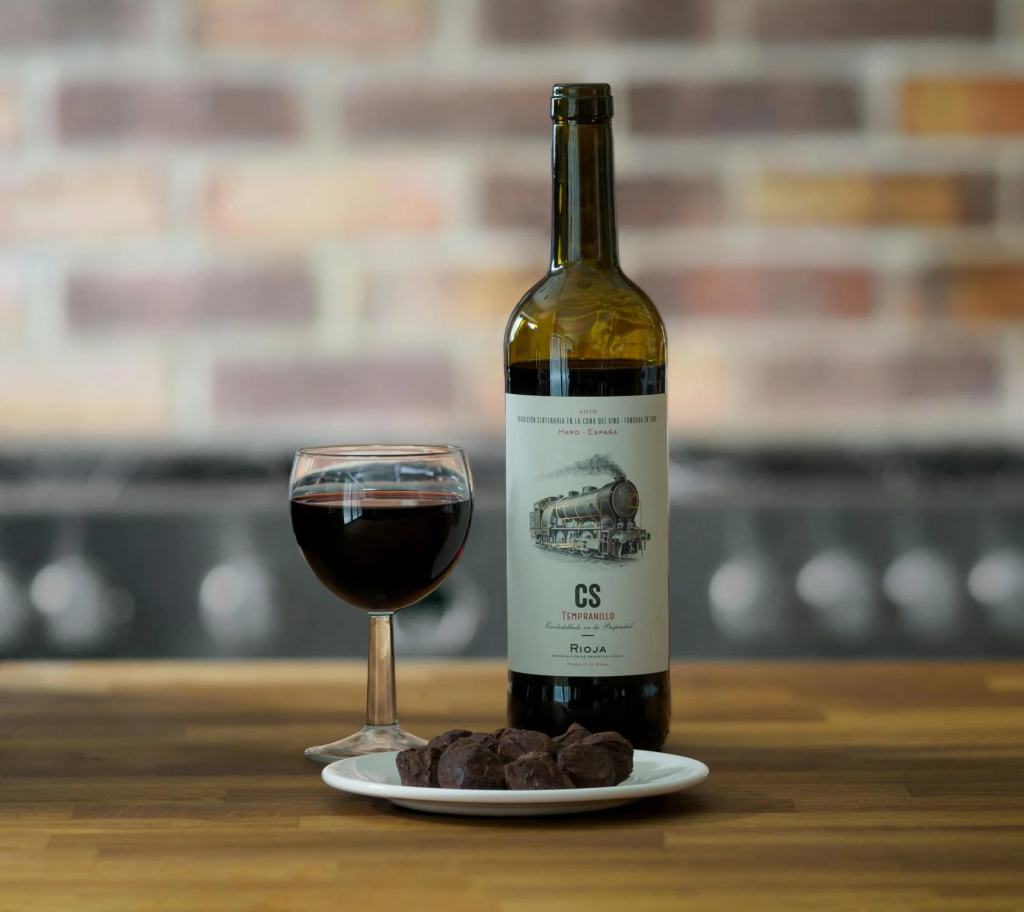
x=373 y=739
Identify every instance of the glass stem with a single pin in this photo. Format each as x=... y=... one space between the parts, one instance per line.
x=380 y=681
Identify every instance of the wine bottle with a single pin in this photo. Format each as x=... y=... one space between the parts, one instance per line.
x=586 y=463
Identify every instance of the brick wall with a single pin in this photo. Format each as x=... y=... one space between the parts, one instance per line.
x=307 y=220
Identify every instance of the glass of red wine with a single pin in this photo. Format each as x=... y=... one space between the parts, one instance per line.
x=381 y=527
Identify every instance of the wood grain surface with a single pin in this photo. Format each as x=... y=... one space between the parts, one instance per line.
x=181 y=786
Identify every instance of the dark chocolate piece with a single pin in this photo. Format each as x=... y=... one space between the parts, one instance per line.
x=535 y=771
x=500 y=733
x=587 y=765
x=418 y=766
x=519 y=741
x=449 y=737
x=469 y=765
x=487 y=740
x=619 y=749
x=576 y=732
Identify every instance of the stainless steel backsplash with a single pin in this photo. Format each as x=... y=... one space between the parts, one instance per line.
x=773 y=554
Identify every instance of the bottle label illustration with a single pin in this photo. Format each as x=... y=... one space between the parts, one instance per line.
x=587 y=523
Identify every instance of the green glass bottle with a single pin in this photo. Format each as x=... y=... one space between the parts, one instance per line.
x=587 y=463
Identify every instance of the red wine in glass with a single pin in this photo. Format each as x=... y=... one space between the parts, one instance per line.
x=381 y=526
x=381 y=550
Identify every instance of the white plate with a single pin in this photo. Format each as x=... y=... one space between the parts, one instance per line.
x=376 y=775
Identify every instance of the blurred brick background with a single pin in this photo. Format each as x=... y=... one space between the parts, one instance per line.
x=284 y=220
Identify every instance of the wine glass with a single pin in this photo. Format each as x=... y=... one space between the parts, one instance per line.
x=381 y=527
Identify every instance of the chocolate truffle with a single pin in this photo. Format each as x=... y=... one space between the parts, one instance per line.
x=418 y=766
x=518 y=741
x=449 y=737
x=487 y=740
x=576 y=732
x=587 y=765
x=619 y=749
x=468 y=765
x=535 y=771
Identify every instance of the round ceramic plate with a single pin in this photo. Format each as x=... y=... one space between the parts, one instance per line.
x=376 y=775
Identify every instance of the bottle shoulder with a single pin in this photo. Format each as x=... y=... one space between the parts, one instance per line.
x=585 y=314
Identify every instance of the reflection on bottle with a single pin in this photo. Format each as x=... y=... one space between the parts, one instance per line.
x=838 y=588
x=996 y=583
x=923 y=585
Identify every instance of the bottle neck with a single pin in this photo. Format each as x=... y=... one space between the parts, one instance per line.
x=583 y=196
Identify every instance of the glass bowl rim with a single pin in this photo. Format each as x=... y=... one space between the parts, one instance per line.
x=382 y=451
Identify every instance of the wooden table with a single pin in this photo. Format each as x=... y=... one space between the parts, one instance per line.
x=182 y=786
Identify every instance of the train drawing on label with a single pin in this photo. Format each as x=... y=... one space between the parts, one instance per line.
x=592 y=522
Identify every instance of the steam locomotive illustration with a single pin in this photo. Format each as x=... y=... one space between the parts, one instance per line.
x=593 y=522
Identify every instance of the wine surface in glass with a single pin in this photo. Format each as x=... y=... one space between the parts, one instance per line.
x=381 y=550
x=636 y=706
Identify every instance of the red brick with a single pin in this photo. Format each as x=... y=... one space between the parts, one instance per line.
x=852 y=20
x=485 y=389
x=745 y=107
x=761 y=292
x=302 y=26
x=665 y=203
x=702 y=382
x=854 y=200
x=117 y=111
x=83 y=394
x=975 y=293
x=835 y=381
x=12 y=300
x=331 y=388
x=574 y=21
x=31 y=23
x=515 y=202
x=455 y=112
x=81 y=204
x=9 y=116
x=1015 y=196
x=268 y=295
x=963 y=106
x=471 y=296
x=297 y=202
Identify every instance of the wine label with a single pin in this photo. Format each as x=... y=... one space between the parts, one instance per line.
x=587 y=523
